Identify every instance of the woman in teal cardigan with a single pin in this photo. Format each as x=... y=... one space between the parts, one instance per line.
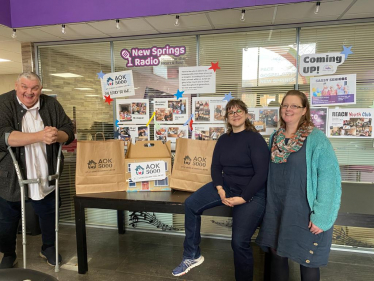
x=303 y=193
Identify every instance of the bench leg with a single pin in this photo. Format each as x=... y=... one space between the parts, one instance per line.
x=120 y=222
x=80 y=229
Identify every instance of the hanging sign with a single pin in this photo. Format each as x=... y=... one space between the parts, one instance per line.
x=138 y=57
x=118 y=84
x=320 y=64
x=333 y=90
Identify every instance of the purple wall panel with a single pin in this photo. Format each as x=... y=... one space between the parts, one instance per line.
x=5 y=18
x=47 y=12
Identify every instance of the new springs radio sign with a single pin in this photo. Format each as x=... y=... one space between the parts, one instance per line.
x=147 y=171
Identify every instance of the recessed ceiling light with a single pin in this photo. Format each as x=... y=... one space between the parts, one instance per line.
x=67 y=75
x=84 y=89
x=92 y=95
x=46 y=90
x=3 y=60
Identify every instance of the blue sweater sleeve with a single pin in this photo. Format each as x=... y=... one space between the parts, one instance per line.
x=260 y=160
x=216 y=168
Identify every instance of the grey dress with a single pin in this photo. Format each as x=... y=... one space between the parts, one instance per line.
x=285 y=224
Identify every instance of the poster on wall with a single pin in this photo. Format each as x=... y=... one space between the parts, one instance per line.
x=265 y=119
x=207 y=132
x=350 y=123
x=320 y=64
x=171 y=110
x=208 y=110
x=134 y=133
x=197 y=80
x=131 y=111
x=333 y=90
x=170 y=133
x=118 y=84
x=319 y=117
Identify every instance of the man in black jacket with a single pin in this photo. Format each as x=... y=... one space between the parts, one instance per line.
x=33 y=124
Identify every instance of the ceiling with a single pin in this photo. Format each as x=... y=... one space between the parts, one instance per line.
x=272 y=15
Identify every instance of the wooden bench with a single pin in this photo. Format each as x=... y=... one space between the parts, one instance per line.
x=173 y=202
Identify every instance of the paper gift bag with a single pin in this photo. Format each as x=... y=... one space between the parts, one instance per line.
x=191 y=169
x=100 y=166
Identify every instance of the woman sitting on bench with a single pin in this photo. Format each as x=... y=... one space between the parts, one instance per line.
x=239 y=172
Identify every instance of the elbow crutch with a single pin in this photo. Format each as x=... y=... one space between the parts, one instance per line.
x=22 y=184
x=56 y=177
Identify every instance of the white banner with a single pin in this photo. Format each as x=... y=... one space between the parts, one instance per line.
x=197 y=80
x=118 y=84
x=147 y=171
x=320 y=64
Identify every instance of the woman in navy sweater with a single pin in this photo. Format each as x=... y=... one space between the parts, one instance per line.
x=239 y=172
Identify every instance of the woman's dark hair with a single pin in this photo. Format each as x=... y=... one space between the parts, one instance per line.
x=305 y=120
x=239 y=104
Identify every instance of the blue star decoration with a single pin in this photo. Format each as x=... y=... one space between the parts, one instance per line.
x=100 y=74
x=179 y=94
x=347 y=51
x=117 y=121
x=228 y=97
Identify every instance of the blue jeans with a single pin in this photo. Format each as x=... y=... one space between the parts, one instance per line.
x=10 y=215
x=246 y=218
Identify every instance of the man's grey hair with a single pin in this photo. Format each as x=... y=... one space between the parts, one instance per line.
x=30 y=76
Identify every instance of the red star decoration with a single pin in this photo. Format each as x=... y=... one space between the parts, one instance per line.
x=214 y=66
x=191 y=122
x=108 y=99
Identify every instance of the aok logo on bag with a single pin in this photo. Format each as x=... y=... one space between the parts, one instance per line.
x=196 y=161
x=102 y=164
x=139 y=170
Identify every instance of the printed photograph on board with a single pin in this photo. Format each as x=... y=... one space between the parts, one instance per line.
x=171 y=133
x=351 y=123
x=207 y=132
x=130 y=111
x=264 y=119
x=133 y=133
x=208 y=109
x=171 y=111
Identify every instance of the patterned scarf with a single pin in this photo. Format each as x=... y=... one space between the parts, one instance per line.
x=280 y=150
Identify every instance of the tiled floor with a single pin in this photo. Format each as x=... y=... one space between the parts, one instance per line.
x=138 y=256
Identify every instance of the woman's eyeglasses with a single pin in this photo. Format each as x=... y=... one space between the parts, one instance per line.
x=292 y=106
x=238 y=112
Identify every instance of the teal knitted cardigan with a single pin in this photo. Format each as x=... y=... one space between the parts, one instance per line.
x=323 y=180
